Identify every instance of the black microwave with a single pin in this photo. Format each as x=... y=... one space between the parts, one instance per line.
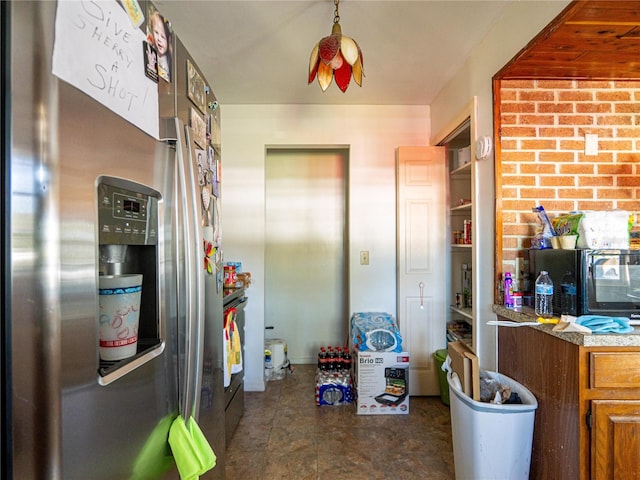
x=607 y=281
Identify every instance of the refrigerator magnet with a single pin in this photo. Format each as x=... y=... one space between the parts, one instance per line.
x=195 y=87
x=199 y=129
x=159 y=33
x=150 y=61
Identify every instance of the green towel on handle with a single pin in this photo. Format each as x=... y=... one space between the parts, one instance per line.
x=191 y=451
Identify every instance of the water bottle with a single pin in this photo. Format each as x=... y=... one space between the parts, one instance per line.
x=508 y=290
x=544 y=295
x=568 y=292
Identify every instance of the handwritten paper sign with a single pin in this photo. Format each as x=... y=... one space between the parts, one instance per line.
x=98 y=50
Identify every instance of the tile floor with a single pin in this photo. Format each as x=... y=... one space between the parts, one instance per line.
x=284 y=435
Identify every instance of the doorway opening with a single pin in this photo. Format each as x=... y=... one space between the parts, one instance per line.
x=306 y=248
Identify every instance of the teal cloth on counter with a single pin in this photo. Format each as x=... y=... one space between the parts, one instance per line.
x=605 y=324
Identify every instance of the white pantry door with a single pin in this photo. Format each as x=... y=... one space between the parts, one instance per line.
x=421 y=262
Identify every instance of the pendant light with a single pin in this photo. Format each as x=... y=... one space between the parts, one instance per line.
x=336 y=56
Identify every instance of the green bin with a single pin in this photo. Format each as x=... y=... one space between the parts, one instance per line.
x=440 y=357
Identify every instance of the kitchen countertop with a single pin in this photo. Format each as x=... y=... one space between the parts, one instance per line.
x=526 y=314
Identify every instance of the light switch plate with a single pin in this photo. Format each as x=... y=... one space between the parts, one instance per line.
x=590 y=144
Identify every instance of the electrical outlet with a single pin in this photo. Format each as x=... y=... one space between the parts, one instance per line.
x=364 y=257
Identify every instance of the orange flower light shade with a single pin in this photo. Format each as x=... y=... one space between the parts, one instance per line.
x=336 y=55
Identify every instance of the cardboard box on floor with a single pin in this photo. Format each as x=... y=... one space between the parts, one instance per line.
x=382 y=382
x=465 y=363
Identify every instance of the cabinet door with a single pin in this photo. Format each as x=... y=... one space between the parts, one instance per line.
x=615 y=440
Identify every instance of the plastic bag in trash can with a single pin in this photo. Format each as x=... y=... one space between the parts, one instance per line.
x=491 y=441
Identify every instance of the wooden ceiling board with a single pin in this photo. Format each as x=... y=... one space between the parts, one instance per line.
x=588 y=40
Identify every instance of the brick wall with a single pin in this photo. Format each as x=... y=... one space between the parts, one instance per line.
x=543 y=126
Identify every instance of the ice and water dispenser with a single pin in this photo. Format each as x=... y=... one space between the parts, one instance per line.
x=128 y=317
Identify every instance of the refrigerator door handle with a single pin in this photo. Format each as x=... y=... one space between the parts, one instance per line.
x=191 y=289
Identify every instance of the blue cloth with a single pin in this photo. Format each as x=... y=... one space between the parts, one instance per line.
x=604 y=324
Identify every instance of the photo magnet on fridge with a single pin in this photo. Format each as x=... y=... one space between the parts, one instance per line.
x=150 y=61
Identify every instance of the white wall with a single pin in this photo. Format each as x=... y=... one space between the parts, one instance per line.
x=520 y=22
x=372 y=134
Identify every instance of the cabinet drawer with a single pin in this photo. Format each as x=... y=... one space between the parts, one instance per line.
x=615 y=369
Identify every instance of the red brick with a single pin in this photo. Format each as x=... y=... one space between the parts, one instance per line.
x=628 y=157
x=602 y=132
x=517 y=84
x=508 y=95
x=506 y=191
x=575 y=120
x=615 y=193
x=632 y=132
x=614 y=120
x=518 y=180
x=509 y=168
x=517 y=107
x=591 y=84
x=594 y=108
x=613 y=96
x=517 y=156
x=572 y=145
x=595 y=181
x=535 y=95
x=627 y=107
x=594 y=205
x=556 y=132
x=577 y=193
x=630 y=181
x=535 y=144
x=517 y=204
x=509 y=217
x=626 y=84
x=554 y=84
x=615 y=169
x=537 y=193
x=575 y=96
x=508 y=145
x=509 y=254
x=518 y=132
x=557 y=207
x=555 y=108
x=629 y=205
x=615 y=145
x=508 y=120
x=536 y=120
x=602 y=157
x=577 y=169
x=557 y=181
x=557 y=156
x=537 y=168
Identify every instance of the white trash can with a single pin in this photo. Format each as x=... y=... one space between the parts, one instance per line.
x=491 y=442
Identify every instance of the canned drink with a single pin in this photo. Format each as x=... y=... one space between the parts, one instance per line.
x=467 y=232
x=229 y=276
x=458 y=300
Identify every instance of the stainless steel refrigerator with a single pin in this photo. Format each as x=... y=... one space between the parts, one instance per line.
x=87 y=195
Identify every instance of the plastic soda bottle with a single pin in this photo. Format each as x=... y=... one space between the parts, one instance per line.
x=544 y=295
x=508 y=290
x=568 y=295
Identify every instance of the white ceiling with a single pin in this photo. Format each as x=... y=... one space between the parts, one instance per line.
x=257 y=52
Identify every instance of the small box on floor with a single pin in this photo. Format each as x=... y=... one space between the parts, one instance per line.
x=382 y=383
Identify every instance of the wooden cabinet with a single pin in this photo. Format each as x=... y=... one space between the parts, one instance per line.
x=587 y=425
